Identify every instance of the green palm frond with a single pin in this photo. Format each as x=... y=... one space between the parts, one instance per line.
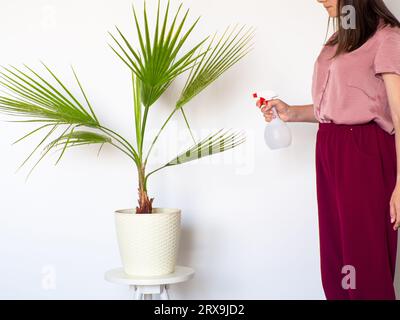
x=157 y=61
x=213 y=144
x=228 y=50
x=29 y=95
x=67 y=139
x=78 y=138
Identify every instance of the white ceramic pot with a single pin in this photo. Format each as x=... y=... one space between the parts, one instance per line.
x=148 y=243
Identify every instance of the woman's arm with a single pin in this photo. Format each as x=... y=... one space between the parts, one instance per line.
x=302 y=114
x=289 y=113
x=392 y=83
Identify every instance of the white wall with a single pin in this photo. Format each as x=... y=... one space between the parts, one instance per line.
x=249 y=216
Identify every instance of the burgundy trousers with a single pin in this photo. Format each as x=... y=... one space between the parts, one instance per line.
x=356 y=175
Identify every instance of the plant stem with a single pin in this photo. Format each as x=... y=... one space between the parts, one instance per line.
x=124 y=151
x=145 y=204
x=154 y=171
x=146 y=112
x=187 y=125
x=123 y=142
x=156 y=138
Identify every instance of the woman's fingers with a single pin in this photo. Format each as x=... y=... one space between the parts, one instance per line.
x=397 y=220
x=268 y=105
x=392 y=213
x=266 y=108
x=267 y=112
x=262 y=104
x=397 y=216
x=395 y=208
x=267 y=117
x=397 y=224
x=274 y=102
x=277 y=104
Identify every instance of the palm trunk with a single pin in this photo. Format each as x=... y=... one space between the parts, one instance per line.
x=145 y=203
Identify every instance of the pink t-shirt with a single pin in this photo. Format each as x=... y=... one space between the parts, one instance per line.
x=349 y=89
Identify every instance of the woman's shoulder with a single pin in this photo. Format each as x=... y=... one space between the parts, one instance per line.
x=387 y=31
x=387 y=46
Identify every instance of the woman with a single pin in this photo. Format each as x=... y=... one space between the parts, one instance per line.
x=356 y=100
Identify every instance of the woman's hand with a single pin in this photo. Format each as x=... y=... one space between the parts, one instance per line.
x=395 y=208
x=281 y=107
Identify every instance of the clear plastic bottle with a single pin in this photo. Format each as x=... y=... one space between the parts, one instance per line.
x=277 y=134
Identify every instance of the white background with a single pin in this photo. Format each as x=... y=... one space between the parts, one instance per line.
x=249 y=216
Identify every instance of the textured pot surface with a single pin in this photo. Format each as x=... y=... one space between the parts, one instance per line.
x=148 y=243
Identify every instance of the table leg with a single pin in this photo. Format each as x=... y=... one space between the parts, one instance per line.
x=137 y=294
x=164 y=293
x=147 y=292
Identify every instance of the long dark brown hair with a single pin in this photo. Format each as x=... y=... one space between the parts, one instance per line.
x=368 y=13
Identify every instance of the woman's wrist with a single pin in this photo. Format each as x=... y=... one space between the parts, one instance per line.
x=291 y=114
x=301 y=113
x=295 y=113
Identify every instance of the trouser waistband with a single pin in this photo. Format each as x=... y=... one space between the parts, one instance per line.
x=335 y=126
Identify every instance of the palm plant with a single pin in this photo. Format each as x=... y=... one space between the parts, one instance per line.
x=155 y=63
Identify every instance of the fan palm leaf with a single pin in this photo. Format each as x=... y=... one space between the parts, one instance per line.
x=213 y=144
x=78 y=138
x=29 y=95
x=229 y=49
x=232 y=46
x=156 y=62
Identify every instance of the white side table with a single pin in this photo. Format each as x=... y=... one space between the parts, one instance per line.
x=146 y=287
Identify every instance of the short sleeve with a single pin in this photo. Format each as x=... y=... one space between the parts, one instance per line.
x=387 y=59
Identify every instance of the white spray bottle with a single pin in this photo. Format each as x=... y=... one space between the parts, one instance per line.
x=277 y=134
